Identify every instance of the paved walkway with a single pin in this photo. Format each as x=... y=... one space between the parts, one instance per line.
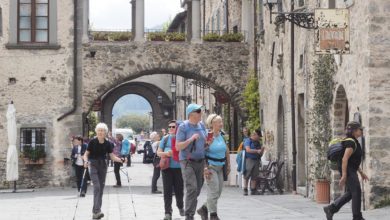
x=60 y=203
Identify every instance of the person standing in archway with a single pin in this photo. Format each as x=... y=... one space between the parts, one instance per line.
x=348 y=168
x=191 y=141
x=155 y=138
x=95 y=160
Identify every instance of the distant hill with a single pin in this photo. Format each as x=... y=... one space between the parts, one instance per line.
x=131 y=104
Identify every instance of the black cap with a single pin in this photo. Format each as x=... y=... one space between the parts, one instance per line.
x=354 y=125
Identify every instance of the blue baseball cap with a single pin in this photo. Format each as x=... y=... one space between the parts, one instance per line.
x=192 y=107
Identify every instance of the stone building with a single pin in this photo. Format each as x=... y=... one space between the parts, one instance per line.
x=56 y=74
x=360 y=89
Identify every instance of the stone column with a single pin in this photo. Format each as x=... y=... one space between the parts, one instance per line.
x=85 y=21
x=196 y=21
x=247 y=19
x=139 y=20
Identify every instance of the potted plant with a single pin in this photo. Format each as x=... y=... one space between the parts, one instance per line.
x=212 y=37
x=34 y=156
x=321 y=135
x=176 y=36
x=232 y=37
x=157 y=36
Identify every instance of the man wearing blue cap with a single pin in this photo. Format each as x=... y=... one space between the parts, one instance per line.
x=191 y=141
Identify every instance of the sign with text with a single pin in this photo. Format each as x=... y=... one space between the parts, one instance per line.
x=332 y=35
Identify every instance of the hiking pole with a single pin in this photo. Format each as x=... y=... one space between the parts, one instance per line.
x=79 y=195
x=131 y=194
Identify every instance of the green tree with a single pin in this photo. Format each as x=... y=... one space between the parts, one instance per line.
x=166 y=24
x=92 y=120
x=137 y=122
x=252 y=102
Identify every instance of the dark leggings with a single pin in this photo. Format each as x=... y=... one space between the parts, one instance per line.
x=117 y=167
x=352 y=192
x=79 y=176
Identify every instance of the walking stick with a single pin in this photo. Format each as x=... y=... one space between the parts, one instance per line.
x=78 y=198
x=131 y=194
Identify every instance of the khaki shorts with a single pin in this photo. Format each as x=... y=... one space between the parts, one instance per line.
x=251 y=168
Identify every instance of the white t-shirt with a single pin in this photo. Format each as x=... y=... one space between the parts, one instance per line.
x=79 y=160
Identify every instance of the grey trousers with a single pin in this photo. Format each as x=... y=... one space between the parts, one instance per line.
x=98 y=172
x=193 y=181
x=214 y=188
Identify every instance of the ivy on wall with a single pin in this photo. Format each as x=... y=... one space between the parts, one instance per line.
x=321 y=133
x=252 y=102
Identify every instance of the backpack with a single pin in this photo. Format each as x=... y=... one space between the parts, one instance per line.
x=148 y=154
x=240 y=159
x=336 y=149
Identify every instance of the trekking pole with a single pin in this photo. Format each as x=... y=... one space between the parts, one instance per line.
x=79 y=195
x=131 y=194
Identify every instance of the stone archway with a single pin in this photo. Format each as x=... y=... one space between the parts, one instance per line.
x=146 y=90
x=282 y=141
x=106 y=65
x=340 y=120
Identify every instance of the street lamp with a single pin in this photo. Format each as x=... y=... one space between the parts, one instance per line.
x=270 y=4
x=173 y=90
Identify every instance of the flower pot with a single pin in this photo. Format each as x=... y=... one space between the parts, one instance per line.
x=322 y=191
x=28 y=161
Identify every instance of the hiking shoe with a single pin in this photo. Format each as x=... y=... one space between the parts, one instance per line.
x=168 y=216
x=82 y=194
x=328 y=212
x=117 y=185
x=156 y=192
x=97 y=215
x=214 y=216
x=189 y=217
x=245 y=192
x=181 y=211
x=255 y=192
x=203 y=212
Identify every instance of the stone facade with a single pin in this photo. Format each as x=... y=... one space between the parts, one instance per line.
x=359 y=89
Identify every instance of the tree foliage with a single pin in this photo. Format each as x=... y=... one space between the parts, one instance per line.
x=252 y=102
x=137 y=122
x=92 y=122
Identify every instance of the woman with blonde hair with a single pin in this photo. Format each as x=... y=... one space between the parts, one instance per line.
x=95 y=160
x=217 y=156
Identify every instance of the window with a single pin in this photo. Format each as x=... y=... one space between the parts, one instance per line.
x=33 y=21
x=1 y=23
x=32 y=139
x=332 y=4
x=261 y=16
x=301 y=3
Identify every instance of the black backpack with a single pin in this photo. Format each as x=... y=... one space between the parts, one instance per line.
x=336 y=149
x=148 y=153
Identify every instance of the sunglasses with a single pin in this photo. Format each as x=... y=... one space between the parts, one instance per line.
x=171 y=126
x=198 y=111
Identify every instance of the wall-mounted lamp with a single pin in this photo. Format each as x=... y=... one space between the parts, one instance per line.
x=159 y=99
x=270 y=4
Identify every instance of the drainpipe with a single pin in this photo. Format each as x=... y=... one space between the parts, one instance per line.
x=75 y=42
x=227 y=15
x=294 y=144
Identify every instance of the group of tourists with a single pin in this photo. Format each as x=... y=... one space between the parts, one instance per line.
x=193 y=154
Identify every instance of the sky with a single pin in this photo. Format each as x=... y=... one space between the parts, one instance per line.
x=116 y=14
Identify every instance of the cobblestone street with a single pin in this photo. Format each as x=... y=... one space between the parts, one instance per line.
x=60 y=203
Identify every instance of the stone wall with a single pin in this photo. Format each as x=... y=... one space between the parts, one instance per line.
x=42 y=92
x=378 y=124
